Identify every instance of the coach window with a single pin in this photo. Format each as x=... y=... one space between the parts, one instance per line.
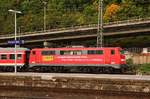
x=112 y=52
x=48 y=52
x=3 y=56
x=12 y=56
x=19 y=56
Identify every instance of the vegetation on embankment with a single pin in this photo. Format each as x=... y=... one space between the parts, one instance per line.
x=141 y=69
x=64 y=13
x=144 y=69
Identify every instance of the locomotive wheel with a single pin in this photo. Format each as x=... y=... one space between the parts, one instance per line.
x=86 y=69
x=56 y=69
x=108 y=70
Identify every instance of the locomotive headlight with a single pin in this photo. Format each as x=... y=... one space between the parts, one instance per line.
x=33 y=61
x=122 y=60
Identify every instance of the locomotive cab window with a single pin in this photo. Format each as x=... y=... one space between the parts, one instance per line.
x=33 y=52
x=100 y=52
x=122 y=52
x=48 y=52
x=3 y=56
x=112 y=52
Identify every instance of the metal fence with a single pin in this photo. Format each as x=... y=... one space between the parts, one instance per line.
x=131 y=21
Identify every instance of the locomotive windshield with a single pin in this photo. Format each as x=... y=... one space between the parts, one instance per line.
x=122 y=52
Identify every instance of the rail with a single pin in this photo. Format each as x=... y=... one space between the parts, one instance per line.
x=81 y=26
x=28 y=97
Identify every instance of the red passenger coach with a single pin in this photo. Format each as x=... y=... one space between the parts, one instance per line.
x=7 y=58
x=80 y=59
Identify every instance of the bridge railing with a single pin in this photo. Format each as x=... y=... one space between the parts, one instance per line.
x=132 y=21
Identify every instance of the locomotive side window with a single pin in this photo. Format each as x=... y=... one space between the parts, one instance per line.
x=73 y=52
x=112 y=52
x=48 y=52
x=12 y=56
x=3 y=56
x=95 y=52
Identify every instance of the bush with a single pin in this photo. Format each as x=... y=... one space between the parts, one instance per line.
x=131 y=67
x=144 y=69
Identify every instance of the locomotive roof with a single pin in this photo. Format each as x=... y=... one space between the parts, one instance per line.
x=13 y=49
x=81 y=48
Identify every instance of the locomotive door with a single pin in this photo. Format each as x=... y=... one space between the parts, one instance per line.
x=34 y=57
x=112 y=56
x=107 y=56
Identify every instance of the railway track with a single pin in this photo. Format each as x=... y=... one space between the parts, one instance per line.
x=11 y=97
x=85 y=94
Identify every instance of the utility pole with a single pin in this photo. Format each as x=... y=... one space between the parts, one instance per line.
x=100 y=24
x=45 y=4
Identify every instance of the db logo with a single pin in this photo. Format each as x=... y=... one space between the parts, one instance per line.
x=48 y=58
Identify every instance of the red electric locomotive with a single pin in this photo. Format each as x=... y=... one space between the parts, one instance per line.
x=77 y=59
x=7 y=58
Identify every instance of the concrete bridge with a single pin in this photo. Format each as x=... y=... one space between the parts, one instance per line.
x=73 y=86
x=118 y=29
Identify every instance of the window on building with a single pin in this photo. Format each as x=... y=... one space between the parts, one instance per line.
x=3 y=56
x=48 y=52
x=95 y=52
x=148 y=49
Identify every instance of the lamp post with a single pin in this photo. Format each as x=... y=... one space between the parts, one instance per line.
x=100 y=24
x=15 y=12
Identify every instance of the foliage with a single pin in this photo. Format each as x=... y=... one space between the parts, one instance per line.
x=64 y=13
x=144 y=69
x=110 y=13
x=131 y=67
x=138 y=69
